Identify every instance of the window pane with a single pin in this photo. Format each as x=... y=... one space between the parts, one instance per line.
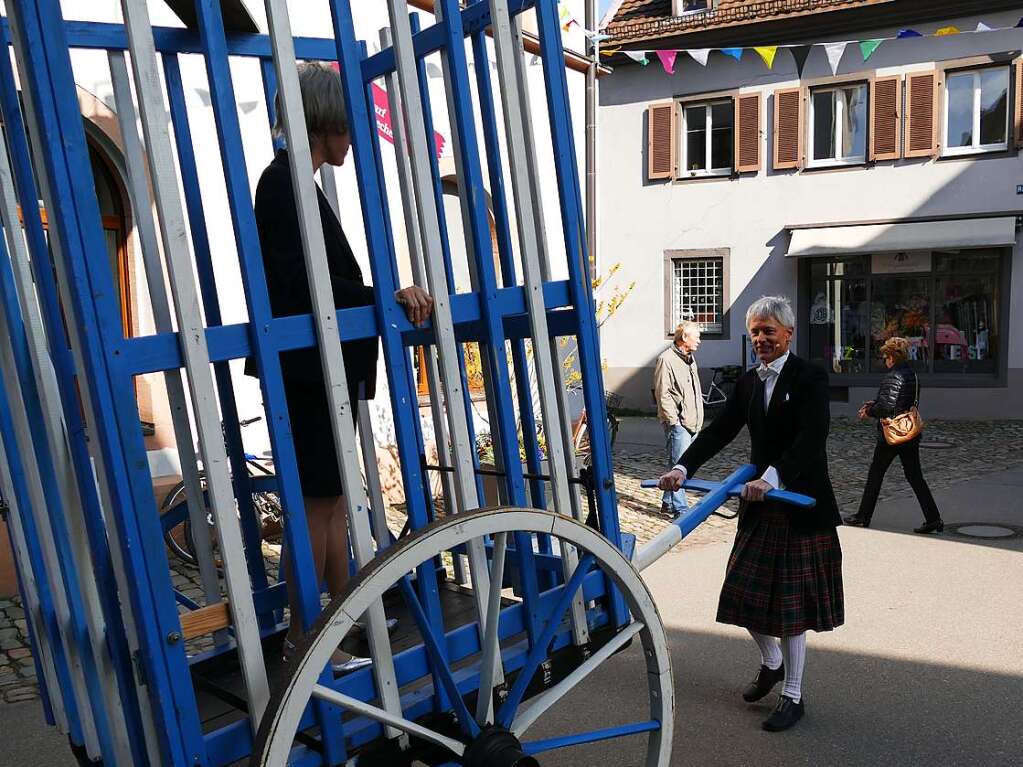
x=837 y=267
x=698 y=292
x=960 y=110
x=968 y=261
x=901 y=306
x=838 y=325
x=721 y=136
x=994 y=99
x=696 y=138
x=967 y=317
x=824 y=125
x=854 y=121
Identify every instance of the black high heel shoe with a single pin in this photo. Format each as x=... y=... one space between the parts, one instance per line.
x=938 y=526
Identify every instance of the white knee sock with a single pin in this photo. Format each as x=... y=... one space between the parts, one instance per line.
x=794 y=650
x=769 y=650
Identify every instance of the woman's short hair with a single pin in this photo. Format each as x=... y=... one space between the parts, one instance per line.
x=323 y=101
x=897 y=348
x=778 y=308
x=686 y=327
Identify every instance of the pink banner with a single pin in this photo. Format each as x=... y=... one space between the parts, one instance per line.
x=382 y=108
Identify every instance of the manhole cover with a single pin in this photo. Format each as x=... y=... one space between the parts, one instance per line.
x=937 y=445
x=986 y=530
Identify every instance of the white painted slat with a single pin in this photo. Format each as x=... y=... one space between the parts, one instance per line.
x=194 y=351
x=145 y=226
x=327 y=334
x=429 y=229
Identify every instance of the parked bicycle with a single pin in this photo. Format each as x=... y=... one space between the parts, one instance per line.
x=580 y=427
x=720 y=388
x=178 y=532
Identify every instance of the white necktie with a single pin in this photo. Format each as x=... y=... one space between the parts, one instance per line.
x=766 y=371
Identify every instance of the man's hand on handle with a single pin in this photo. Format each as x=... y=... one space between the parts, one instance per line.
x=755 y=491
x=672 y=480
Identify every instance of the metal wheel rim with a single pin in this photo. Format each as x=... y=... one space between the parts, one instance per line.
x=291 y=695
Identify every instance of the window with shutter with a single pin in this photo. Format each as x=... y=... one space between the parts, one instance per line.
x=660 y=145
x=885 y=108
x=921 y=113
x=788 y=128
x=1017 y=90
x=747 y=133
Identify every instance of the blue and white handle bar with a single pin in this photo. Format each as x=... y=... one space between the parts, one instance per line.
x=716 y=494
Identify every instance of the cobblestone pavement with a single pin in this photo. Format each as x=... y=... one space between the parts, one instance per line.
x=960 y=451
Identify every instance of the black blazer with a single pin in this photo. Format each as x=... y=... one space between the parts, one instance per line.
x=281 y=242
x=792 y=436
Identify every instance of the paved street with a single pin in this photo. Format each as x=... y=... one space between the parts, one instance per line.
x=927 y=671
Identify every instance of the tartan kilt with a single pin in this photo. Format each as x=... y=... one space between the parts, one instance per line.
x=781 y=581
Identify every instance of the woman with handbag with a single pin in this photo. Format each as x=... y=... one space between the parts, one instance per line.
x=898 y=434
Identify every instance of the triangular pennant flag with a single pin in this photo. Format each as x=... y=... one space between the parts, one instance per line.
x=947 y=31
x=767 y=53
x=867 y=47
x=700 y=54
x=667 y=60
x=610 y=51
x=834 y=51
x=736 y=53
x=638 y=56
x=800 y=54
x=982 y=27
x=904 y=33
x=1019 y=24
x=597 y=37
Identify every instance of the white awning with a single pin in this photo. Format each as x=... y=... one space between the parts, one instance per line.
x=923 y=235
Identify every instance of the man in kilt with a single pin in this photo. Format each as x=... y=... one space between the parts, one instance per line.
x=784 y=575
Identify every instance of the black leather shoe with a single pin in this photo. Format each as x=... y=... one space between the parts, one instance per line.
x=763 y=683
x=785 y=714
x=930 y=527
x=855 y=520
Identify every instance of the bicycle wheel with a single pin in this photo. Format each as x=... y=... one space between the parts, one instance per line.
x=177 y=528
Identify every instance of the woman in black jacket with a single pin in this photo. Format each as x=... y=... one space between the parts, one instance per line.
x=287 y=283
x=898 y=393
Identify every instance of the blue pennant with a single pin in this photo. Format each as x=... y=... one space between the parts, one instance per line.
x=736 y=53
x=904 y=33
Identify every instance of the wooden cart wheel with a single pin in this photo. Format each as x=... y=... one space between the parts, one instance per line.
x=491 y=734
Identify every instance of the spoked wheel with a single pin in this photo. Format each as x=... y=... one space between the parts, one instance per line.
x=486 y=722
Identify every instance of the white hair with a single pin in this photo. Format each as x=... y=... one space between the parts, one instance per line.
x=686 y=328
x=778 y=308
x=323 y=101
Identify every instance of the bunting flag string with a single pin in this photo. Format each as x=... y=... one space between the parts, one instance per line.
x=768 y=53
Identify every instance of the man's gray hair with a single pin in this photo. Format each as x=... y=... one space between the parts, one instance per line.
x=323 y=101
x=778 y=308
x=686 y=327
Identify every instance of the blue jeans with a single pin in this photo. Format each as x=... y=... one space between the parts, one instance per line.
x=677 y=439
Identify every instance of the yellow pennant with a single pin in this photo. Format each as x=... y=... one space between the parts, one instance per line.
x=767 y=53
x=946 y=31
x=610 y=51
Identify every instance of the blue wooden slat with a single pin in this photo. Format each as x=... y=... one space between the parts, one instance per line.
x=243 y=218
x=50 y=82
x=559 y=113
x=64 y=367
x=251 y=529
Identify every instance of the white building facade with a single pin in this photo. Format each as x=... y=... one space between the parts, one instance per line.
x=883 y=197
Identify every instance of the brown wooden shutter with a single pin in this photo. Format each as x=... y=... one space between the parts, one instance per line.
x=660 y=141
x=1017 y=71
x=747 y=133
x=885 y=110
x=921 y=138
x=788 y=128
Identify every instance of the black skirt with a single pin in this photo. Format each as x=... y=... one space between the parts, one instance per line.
x=314 y=438
x=781 y=581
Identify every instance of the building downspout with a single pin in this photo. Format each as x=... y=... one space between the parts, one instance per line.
x=591 y=136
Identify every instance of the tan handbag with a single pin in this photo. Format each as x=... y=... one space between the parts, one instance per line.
x=906 y=426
